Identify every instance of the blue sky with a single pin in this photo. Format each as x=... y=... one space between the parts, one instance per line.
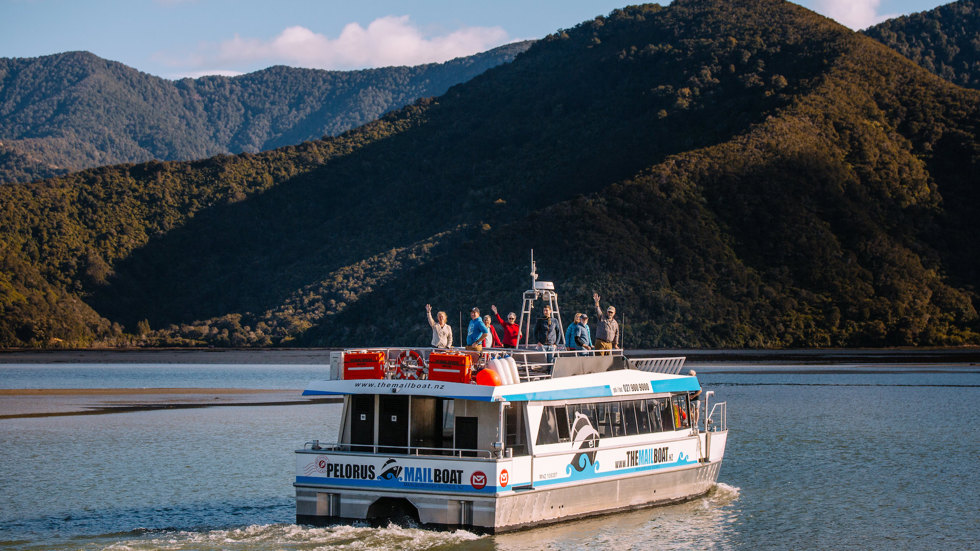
x=177 y=38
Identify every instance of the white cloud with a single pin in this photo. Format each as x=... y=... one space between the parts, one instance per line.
x=856 y=14
x=385 y=41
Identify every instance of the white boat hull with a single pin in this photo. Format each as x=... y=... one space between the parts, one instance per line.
x=521 y=507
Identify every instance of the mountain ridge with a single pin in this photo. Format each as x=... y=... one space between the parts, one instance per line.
x=945 y=40
x=75 y=110
x=744 y=174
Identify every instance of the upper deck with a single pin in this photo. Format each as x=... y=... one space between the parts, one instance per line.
x=567 y=376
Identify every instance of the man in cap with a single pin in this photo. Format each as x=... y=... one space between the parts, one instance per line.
x=607 y=328
x=476 y=332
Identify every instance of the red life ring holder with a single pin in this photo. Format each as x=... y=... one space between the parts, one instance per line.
x=409 y=373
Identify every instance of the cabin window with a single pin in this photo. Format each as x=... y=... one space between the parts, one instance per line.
x=610 y=420
x=616 y=419
x=561 y=416
x=448 y=422
x=602 y=421
x=629 y=417
x=587 y=410
x=666 y=415
x=682 y=418
x=642 y=417
x=613 y=419
x=514 y=435
x=553 y=427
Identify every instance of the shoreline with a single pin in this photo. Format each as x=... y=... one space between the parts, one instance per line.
x=133 y=391
x=321 y=356
x=248 y=356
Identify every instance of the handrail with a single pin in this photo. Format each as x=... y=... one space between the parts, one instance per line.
x=530 y=368
x=722 y=424
x=339 y=447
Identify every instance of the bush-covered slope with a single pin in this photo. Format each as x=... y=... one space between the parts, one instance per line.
x=727 y=173
x=946 y=40
x=74 y=110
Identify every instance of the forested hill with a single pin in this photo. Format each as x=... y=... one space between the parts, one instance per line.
x=728 y=174
x=74 y=110
x=946 y=40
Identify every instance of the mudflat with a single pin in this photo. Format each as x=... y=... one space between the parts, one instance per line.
x=306 y=356
x=49 y=402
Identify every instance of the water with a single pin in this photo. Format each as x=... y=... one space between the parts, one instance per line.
x=820 y=457
x=159 y=375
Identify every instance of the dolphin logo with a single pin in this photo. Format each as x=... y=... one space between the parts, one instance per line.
x=390 y=471
x=584 y=437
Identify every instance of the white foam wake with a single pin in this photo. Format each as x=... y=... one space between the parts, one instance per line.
x=294 y=537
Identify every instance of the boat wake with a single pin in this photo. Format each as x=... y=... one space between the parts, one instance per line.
x=294 y=537
x=722 y=494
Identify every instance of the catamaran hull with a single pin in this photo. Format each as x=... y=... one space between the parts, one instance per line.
x=521 y=508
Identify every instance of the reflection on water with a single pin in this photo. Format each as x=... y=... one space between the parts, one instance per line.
x=704 y=522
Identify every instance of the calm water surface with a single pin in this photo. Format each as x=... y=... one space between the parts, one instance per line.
x=158 y=375
x=818 y=458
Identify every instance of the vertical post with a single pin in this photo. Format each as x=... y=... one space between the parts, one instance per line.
x=500 y=430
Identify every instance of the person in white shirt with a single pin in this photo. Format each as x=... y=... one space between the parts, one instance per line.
x=442 y=333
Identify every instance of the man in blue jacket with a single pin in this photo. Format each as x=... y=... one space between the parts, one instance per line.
x=476 y=332
x=582 y=336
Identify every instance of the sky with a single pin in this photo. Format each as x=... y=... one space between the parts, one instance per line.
x=190 y=38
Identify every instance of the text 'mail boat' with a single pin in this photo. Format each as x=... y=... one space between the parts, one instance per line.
x=549 y=436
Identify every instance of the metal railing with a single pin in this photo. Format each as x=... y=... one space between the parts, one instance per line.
x=668 y=366
x=532 y=364
x=316 y=446
x=719 y=423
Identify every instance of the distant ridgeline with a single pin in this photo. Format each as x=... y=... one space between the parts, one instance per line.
x=946 y=40
x=71 y=111
x=727 y=174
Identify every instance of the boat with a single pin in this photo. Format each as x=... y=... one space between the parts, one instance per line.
x=505 y=439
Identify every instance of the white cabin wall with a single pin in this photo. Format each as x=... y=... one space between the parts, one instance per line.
x=488 y=417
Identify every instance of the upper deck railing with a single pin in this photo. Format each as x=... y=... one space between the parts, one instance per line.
x=531 y=363
x=669 y=366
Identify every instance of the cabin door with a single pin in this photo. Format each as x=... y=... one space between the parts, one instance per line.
x=362 y=422
x=393 y=423
x=466 y=438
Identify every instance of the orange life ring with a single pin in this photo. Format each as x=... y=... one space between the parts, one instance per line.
x=402 y=362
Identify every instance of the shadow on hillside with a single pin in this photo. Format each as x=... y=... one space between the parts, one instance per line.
x=559 y=122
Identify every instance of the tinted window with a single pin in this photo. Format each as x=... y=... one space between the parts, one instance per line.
x=548 y=429
x=642 y=417
x=514 y=433
x=653 y=410
x=666 y=415
x=681 y=416
x=615 y=414
x=629 y=417
x=561 y=417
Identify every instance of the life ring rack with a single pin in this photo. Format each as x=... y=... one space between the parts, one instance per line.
x=404 y=370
